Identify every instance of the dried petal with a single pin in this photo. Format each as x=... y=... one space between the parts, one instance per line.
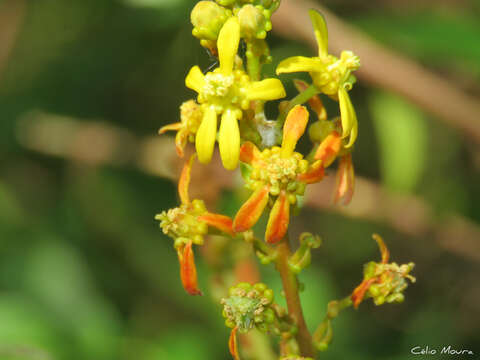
x=293 y=129
x=383 y=248
x=360 y=291
x=221 y=222
x=315 y=174
x=249 y=153
x=251 y=210
x=232 y=344
x=188 y=271
x=278 y=220
x=345 y=184
x=170 y=127
x=184 y=181
x=329 y=149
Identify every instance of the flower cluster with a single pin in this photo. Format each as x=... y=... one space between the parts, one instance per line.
x=187 y=225
x=383 y=282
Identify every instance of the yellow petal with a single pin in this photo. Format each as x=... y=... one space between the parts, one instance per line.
x=268 y=89
x=205 y=139
x=195 y=79
x=321 y=32
x=228 y=40
x=229 y=140
x=349 y=118
x=298 y=64
x=293 y=129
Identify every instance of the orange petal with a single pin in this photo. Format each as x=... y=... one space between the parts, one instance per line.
x=329 y=148
x=293 y=129
x=278 y=220
x=232 y=344
x=249 y=153
x=180 y=142
x=383 y=248
x=221 y=222
x=359 y=292
x=170 y=127
x=345 y=180
x=315 y=174
x=251 y=211
x=188 y=271
x=184 y=181
x=315 y=102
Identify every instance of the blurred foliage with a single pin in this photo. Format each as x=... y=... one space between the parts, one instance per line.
x=86 y=274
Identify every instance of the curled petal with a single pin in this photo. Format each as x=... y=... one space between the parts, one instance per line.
x=221 y=222
x=329 y=148
x=315 y=174
x=184 y=181
x=180 y=142
x=383 y=248
x=293 y=129
x=268 y=89
x=232 y=344
x=188 y=271
x=170 y=127
x=249 y=153
x=251 y=211
x=228 y=41
x=321 y=32
x=345 y=180
x=315 y=102
x=348 y=115
x=278 y=220
x=205 y=139
x=195 y=79
x=359 y=292
x=229 y=140
x=299 y=64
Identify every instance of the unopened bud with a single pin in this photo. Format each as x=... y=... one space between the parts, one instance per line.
x=253 y=23
x=207 y=19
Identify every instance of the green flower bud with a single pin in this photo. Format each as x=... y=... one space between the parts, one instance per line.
x=319 y=130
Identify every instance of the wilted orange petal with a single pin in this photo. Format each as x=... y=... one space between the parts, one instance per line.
x=315 y=102
x=359 y=292
x=278 y=220
x=170 y=127
x=315 y=174
x=221 y=222
x=188 y=271
x=232 y=344
x=293 y=129
x=345 y=180
x=383 y=248
x=251 y=211
x=249 y=152
x=180 y=142
x=184 y=181
x=329 y=148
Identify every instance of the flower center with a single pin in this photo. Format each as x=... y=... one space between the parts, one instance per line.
x=218 y=85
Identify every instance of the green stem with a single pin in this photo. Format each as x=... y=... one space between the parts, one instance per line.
x=290 y=287
x=300 y=99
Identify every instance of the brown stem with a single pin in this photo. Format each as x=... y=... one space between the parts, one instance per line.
x=290 y=287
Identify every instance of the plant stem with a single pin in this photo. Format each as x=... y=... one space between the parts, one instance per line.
x=300 y=99
x=290 y=287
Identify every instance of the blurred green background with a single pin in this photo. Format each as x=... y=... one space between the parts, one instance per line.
x=85 y=273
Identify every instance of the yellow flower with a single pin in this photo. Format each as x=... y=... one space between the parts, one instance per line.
x=227 y=92
x=330 y=75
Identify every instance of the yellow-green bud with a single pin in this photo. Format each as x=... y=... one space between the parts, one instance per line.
x=253 y=23
x=207 y=19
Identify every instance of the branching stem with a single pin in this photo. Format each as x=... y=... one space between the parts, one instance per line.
x=290 y=287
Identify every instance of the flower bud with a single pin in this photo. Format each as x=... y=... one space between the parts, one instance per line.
x=207 y=19
x=253 y=23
